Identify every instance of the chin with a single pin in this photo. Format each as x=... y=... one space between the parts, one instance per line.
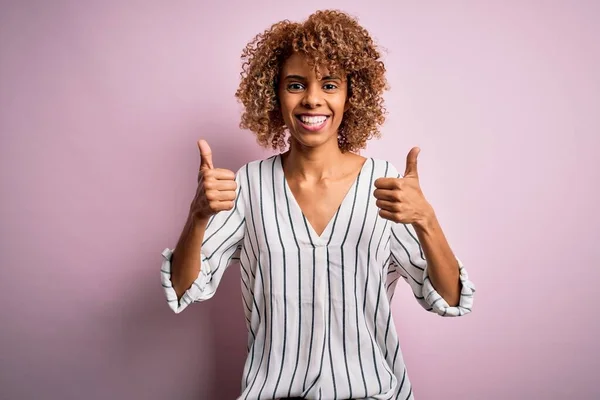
x=312 y=140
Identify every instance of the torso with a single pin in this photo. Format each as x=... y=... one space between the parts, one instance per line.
x=310 y=293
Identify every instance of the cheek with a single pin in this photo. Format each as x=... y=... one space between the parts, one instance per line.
x=287 y=105
x=286 y=111
x=339 y=104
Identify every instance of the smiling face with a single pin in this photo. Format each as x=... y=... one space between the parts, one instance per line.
x=312 y=108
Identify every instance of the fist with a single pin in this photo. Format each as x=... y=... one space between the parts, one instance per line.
x=216 y=186
x=401 y=199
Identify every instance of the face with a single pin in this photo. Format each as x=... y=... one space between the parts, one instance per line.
x=312 y=108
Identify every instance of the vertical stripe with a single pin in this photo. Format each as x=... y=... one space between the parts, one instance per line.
x=248 y=256
x=329 y=316
x=262 y=214
x=386 y=221
x=401 y=383
x=356 y=257
x=287 y=202
x=251 y=207
x=385 y=340
x=312 y=326
x=312 y=331
x=275 y=212
x=395 y=355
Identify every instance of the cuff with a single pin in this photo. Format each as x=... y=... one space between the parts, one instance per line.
x=196 y=293
x=437 y=302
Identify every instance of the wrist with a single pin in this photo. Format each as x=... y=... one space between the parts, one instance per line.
x=427 y=223
x=198 y=219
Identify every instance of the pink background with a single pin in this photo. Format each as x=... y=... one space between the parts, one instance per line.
x=101 y=104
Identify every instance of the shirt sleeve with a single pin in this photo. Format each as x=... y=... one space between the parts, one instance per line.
x=221 y=247
x=407 y=260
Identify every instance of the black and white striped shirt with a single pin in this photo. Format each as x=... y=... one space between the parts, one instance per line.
x=317 y=307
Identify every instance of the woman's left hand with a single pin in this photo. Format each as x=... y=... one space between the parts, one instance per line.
x=401 y=199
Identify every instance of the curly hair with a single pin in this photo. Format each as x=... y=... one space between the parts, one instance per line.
x=330 y=39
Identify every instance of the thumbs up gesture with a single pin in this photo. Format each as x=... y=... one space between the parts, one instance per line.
x=216 y=186
x=401 y=199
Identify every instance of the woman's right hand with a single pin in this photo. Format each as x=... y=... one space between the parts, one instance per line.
x=216 y=187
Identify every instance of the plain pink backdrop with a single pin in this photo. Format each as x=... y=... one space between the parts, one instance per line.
x=101 y=104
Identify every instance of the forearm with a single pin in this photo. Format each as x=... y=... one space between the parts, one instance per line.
x=185 y=262
x=442 y=265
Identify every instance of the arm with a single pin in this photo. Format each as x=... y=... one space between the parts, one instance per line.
x=442 y=265
x=210 y=239
x=409 y=260
x=186 y=256
x=419 y=250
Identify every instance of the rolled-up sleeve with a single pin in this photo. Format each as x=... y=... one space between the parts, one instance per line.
x=221 y=246
x=408 y=261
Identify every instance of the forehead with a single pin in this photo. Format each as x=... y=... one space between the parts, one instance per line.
x=297 y=64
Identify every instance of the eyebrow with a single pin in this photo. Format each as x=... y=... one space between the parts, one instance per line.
x=303 y=78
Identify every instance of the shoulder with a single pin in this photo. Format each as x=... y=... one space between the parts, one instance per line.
x=382 y=168
x=251 y=169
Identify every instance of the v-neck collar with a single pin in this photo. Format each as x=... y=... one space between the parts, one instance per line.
x=325 y=236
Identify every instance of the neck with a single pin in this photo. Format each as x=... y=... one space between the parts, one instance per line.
x=313 y=163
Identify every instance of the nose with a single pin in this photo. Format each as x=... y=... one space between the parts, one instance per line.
x=312 y=97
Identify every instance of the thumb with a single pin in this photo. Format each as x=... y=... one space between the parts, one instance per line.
x=205 y=155
x=411 y=163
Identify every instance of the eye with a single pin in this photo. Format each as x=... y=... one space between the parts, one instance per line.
x=329 y=86
x=294 y=87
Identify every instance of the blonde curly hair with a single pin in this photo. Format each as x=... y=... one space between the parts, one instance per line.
x=330 y=39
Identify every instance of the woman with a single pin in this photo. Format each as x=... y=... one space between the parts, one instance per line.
x=322 y=234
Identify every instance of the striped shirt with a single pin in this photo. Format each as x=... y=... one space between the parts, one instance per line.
x=317 y=308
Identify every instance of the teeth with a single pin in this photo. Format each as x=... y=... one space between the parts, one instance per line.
x=312 y=120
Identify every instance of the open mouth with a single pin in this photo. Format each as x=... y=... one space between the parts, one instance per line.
x=313 y=122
